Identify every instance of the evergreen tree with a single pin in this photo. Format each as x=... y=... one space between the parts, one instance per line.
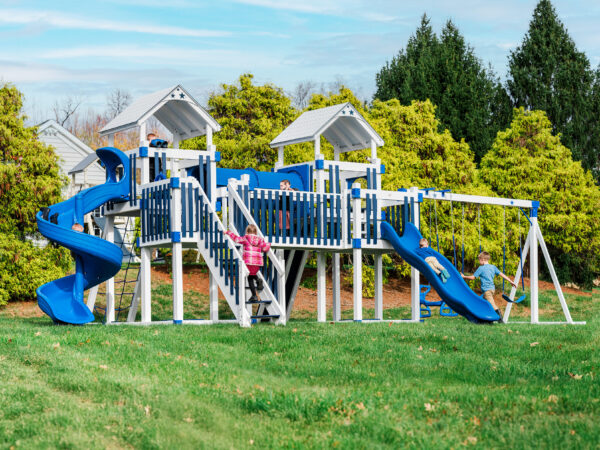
x=548 y=73
x=528 y=161
x=471 y=101
x=29 y=180
x=250 y=116
x=29 y=174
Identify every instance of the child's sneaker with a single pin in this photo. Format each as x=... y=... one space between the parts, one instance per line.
x=446 y=274
x=259 y=285
x=253 y=299
x=500 y=314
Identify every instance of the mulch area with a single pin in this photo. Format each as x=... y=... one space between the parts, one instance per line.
x=396 y=292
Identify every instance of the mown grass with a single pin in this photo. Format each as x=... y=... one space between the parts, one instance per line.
x=444 y=383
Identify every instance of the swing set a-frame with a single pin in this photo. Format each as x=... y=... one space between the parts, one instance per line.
x=534 y=241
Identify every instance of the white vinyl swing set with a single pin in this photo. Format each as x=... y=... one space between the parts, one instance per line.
x=533 y=242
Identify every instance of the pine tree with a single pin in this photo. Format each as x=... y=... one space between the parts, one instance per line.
x=471 y=101
x=548 y=73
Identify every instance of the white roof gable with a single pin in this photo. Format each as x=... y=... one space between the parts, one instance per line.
x=174 y=107
x=342 y=125
x=51 y=126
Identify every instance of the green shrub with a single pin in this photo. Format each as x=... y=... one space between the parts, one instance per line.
x=24 y=267
x=528 y=161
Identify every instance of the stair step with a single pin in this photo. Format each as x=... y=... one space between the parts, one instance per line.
x=266 y=316
x=259 y=302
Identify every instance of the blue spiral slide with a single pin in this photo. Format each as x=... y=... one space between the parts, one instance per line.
x=455 y=292
x=96 y=260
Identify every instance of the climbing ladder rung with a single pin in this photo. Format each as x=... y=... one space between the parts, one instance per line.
x=259 y=302
x=266 y=316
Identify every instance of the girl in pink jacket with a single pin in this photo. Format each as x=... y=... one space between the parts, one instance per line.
x=254 y=246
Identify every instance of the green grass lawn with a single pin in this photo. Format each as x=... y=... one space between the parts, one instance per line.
x=443 y=383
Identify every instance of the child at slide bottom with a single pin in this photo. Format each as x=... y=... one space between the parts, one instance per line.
x=254 y=246
x=486 y=273
x=430 y=258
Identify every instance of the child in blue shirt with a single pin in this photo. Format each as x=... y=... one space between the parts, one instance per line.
x=430 y=258
x=486 y=273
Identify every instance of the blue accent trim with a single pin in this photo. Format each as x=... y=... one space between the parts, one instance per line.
x=176 y=236
x=175 y=183
x=382 y=169
x=402 y=190
x=143 y=152
x=420 y=197
x=319 y=164
x=137 y=242
x=218 y=206
x=355 y=192
x=356 y=243
x=217 y=156
x=383 y=215
x=177 y=322
x=535 y=204
x=534 y=212
x=358 y=321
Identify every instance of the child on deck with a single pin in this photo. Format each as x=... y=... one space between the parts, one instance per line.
x=430 y=258
x=486 y=273
x=254 y=246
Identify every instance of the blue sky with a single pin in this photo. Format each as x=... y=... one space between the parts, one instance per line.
x=52 y=50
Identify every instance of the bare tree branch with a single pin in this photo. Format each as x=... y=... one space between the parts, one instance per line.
x=302 y=94
x=117 y=101
x=65 y=109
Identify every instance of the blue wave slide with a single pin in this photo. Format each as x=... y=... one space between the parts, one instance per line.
x=96 y=260
x=455 y=292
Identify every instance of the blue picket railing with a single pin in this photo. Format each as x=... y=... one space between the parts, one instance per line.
x=294 y=217
x=223 y=254
x=190 y=217
x=155 y=213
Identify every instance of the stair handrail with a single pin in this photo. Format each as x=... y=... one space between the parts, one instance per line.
x=233 y=194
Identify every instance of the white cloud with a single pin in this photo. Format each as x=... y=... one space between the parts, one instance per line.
x=167 y=56
x=69 y=21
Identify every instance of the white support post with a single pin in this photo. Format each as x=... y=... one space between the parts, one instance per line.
x=335 y=281
x=213 y=287
x=321 y=286
x=110 y=283
x=321 y=257
x=176 y=255
x=143 y=132
x=281 y=288
x=378 y=286
x=317 y=143
x=518 y=276
x=415 y=283
x=176 y=140
x=280 y=157
x=146 y=284
x=111 y=140
x=135 y=302
x=357 y=253
x=373 y=150
x=533 y=260
x=559 y=292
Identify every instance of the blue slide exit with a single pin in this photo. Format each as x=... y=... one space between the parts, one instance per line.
x=96 y=260
x=455 y=292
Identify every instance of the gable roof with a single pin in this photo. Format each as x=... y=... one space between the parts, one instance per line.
x=43 y=128
x=89 y=154
x=342 y=125
x=174 y=107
